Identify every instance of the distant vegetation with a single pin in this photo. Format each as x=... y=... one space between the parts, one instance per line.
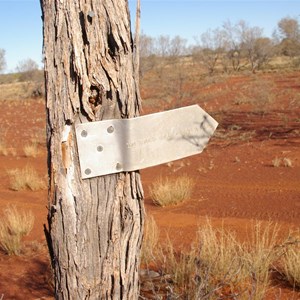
x=230 y=49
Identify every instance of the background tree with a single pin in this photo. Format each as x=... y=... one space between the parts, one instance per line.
x=209 y=49
x=2 y=60
x=28 y=69
x=232 y=43
x=163 y=45
x=264 y=50
x=254 y=45
x=94 y=225
x=288 y=33
x=177 y=47
x=148 y=59
x=289 y=28
x=32 y=77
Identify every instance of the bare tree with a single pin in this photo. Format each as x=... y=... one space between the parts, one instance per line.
x=264 y=50
x=257 y=49
x=94 y=225
x=177 y=46
x=2 y=60
x=163 y=45
x=148 y=59
x=232 y=42
x=209 y=49
x=28 y=69
x=146 y=45
x=244 y=44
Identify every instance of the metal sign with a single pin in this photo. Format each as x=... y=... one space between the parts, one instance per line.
x=123 y=145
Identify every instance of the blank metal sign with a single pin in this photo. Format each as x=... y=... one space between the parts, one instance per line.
x=123 y=145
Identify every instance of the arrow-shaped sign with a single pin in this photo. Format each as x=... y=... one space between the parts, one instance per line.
x=123 y=145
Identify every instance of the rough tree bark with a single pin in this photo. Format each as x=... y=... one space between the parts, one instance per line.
x=95 y=225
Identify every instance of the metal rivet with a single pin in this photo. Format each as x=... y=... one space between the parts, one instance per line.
x=110 y=129
x=99 y=148
x=88 y=171
x=84 y=133
x=118 y=166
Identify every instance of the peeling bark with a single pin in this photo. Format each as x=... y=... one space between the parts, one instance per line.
x=95 y=225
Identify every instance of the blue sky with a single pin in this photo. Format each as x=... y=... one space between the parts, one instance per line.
x=21 y=25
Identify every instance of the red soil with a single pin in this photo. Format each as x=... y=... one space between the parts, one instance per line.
x=236 y=181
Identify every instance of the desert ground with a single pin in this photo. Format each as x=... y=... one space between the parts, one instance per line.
x=249 y=171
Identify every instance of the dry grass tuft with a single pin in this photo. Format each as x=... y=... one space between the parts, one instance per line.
x=182 y=267
x=289 y=261
x=3 y=145
x=3 y=149
x=221 y=260
x=13 y=226
x=276 y=162
x=286 y=162
x=31 y=150
x=171 y=191
x=26 y=178
x=150 y=241
x=260 y=253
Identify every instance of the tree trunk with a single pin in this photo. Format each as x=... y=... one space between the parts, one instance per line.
x=94 y=225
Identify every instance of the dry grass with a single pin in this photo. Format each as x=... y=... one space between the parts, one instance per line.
x=166 y=192
x=3 y=148
x=13 y=226
x=278 y=162
x=17 y=90
x=182 y=267
x=150 y=241
x=5 y=151
x=218 y=266
x=289 y=262
x=31 y=150
x=287 y=162
x=221 y=257
x=260 y=253
x=26 y=178
x=3 y=145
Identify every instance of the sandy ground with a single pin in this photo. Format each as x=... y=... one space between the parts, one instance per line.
x=236 y=180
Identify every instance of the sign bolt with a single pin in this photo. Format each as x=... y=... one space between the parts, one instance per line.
x=84 y=133
x=99 y=148
x=110 y=129
x=88 y=171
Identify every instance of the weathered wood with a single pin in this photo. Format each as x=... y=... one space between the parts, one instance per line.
x=94 y=226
